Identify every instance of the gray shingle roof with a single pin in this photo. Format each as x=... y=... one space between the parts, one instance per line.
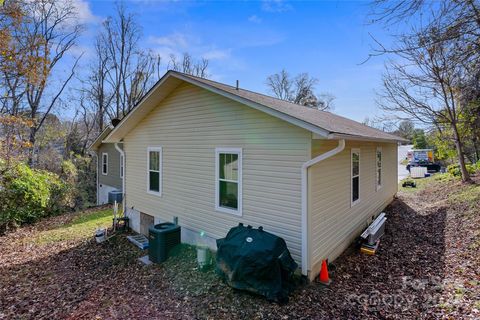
x=326 y=120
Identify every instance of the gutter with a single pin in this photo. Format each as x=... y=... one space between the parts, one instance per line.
x=123 y=177
x=337 y=136
x=94 y=153
x=305 y=166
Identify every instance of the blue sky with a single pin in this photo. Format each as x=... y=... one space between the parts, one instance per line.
x=250 y=40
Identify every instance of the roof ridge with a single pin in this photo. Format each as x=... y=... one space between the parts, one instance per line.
x=248 y=90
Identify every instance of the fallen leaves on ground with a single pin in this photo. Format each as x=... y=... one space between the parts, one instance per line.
x=427 y=266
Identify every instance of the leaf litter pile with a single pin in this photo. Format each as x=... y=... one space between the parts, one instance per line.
x=427 y=266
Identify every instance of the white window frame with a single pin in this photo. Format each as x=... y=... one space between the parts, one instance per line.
x=355 y=150
x=219 y=208
x=122 y=166
x=103 y=157
x=160 y=170
x=378 y=186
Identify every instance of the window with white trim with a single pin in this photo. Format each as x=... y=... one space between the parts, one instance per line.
x=355 y=174
x=378 y=163
x=104 y=163
x=154 y=170
x=228 y=182
x=121 y=165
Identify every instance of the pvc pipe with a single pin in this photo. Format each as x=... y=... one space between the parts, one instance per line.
x=305 y=166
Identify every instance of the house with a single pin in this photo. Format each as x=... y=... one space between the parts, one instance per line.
x=109 y=166
x=214 y=155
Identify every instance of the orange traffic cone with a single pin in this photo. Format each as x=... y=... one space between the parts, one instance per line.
x=324 y=278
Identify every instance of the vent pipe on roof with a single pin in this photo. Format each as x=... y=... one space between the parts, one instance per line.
x=238 y=83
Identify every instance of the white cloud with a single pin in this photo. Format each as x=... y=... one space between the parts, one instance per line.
x=178 y=43
x=175 y=40
x=216 y=54
x=255 y=19
x=80 y=8
x=276 y=6
x=84 y=13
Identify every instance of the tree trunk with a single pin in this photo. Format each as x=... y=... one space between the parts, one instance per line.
x=31 y=152
x=460 y=153
x=475 y=147
x=100 y=119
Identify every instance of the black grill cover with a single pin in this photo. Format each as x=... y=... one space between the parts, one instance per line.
x=257 y=261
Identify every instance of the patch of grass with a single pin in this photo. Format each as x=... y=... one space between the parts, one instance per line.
x=443 y=177
x=82 y=226
x=469 y=194
x=423 y=183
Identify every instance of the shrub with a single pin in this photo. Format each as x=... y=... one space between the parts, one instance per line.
x=454 y=169
x=79 y=174
x=27 y=195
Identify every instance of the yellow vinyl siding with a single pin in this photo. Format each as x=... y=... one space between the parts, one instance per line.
x=189 y=124
x=333 y=222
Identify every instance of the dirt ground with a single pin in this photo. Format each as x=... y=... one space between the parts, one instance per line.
x=427 y=267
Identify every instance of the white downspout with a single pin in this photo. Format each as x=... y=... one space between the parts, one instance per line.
x=305 y=166
x=122 y=153
x=94 y=153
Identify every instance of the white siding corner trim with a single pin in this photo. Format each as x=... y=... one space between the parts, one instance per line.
x=237 y=151
x=160 y=171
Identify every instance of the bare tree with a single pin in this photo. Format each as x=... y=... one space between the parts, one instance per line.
x=299 y=90
x=188 y=65
x=122 y=72
x=436 y=61
x=128 y=71
x=46 y=31
x=95 y=87
x=281 y=85
x=326 y=101
x=424 y=86
x=81 y=130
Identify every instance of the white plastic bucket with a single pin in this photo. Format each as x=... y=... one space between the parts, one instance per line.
x=100 y=235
